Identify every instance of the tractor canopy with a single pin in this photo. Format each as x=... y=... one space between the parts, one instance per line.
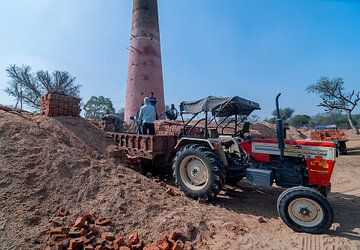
x=220 y=106
x=320 y=127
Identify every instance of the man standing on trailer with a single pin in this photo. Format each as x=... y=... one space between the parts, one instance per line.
x=147 y=116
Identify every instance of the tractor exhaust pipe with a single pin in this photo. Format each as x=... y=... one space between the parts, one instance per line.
x=280 y=129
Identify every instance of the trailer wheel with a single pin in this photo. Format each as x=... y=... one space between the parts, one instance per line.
x=198 y=172
x=305 y=210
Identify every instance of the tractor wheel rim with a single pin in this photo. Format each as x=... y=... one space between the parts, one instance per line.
x=305 y=212
x=193 y=172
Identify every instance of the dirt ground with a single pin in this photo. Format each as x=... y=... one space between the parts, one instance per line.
x=52 y=163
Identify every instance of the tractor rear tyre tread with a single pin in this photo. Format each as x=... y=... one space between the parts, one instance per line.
x=216 y=178
x=300 y=192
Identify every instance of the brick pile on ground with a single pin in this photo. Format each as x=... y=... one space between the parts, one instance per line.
x=48 y=163
x=88 y=232
x=56 y=104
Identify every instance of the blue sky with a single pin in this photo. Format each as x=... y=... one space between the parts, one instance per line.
x=252 y=48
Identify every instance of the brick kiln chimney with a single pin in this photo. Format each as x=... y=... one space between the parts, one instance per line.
x=145 y=70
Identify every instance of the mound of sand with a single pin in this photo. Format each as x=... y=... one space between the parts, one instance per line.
x=51 y=163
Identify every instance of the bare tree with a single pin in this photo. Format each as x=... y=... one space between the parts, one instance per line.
x=28 y=87
x=334 y=97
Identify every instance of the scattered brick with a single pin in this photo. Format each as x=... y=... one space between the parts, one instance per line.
x=133 y=238
x=108 y=236
x=170 y=191
x=164 y=246
x=62 y=212
x=175 y=236
x=124 y=248
x=201 y=200
x=77 y=232
x=188 y=245
x=119 y=241
x=76 y=243
x=102 y=222
x=80 y=222
x=261 y=219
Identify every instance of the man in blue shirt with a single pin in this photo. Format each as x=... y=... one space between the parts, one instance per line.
x=147 y=116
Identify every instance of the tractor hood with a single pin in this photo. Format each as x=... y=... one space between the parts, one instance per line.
x=220 y=106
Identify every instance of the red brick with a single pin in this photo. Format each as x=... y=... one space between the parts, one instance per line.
x=175 y=236
x=124 y=248
x=201 y=201
x=77 y=232
x=151 y=247
x=76 y=243
x=138 y=246
x=133 y=238
x=119 y=241
x=170 y=191
x=62 y=212
x=108 y=236
x=57 y=238
x=164 y=246
x=188 y=245
x=80 y=222
x=102 y=222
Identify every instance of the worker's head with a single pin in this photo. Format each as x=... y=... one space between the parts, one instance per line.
x=172 y=106
x=146 y=100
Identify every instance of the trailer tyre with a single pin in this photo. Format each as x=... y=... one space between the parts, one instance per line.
x=198 y=172
x=305 y=210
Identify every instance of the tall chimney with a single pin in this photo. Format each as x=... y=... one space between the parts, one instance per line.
x=145 y=70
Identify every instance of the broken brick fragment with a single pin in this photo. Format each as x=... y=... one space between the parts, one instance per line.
x=75 y=232
x=76 y=243
x=133 y=238
x=138 y=246
x=164 y=246
x=151 y=247
x=201 y=200
x=188 y=245
x=62 y=212
x=261 y=219
x=55 y=230
x=108 y=236
x=170 y=191
x=80 y=222
x=124 y=248
x=175 y=236
x=58 y=238
x=118 y=242
x=102 y=222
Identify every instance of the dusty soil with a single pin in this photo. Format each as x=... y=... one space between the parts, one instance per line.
x=52 y=163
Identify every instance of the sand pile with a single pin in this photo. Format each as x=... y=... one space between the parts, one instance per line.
x=51 y=163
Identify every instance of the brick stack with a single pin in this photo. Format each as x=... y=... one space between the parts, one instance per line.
x=328 y=135
x=55 y=104
x=89 y=233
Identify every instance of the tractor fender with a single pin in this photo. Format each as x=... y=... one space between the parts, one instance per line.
x=211 y=143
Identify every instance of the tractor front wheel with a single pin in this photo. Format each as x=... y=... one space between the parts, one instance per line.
x=305 y=210
x=198 y=172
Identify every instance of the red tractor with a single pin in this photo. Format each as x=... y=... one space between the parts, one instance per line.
x=205 y=158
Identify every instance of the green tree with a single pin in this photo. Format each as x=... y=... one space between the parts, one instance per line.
x=96 y=106
x=300 y=121
x=285 y=113
x=333 y=97
x=27 y=87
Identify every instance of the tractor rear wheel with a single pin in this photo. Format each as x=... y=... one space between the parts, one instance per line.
x=198 y=172
x=305 y=210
